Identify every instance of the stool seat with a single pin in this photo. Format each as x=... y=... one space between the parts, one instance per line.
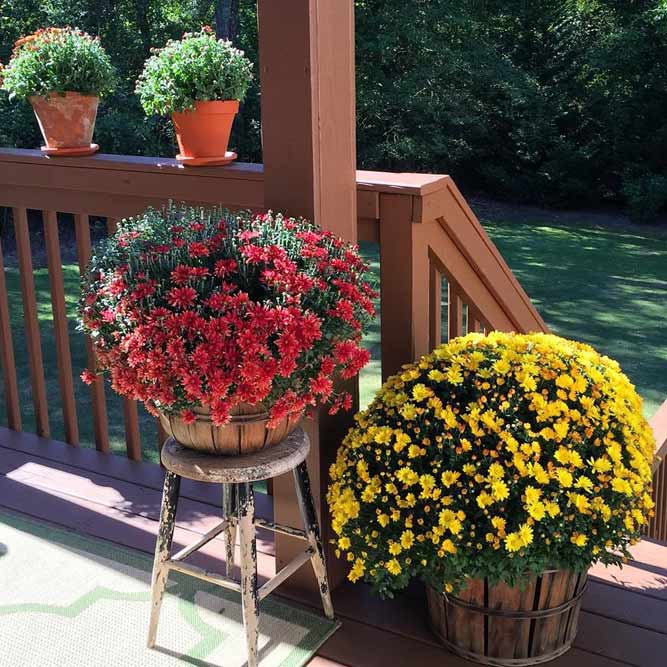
x=265 y=464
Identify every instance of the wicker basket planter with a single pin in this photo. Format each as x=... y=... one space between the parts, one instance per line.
x=246 y=432
x=510 y=626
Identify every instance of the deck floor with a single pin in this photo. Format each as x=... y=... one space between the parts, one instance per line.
x=624 y=621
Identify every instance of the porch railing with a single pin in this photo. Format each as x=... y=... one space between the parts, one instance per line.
x=440 y=275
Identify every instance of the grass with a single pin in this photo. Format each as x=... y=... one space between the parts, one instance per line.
x=605 y=286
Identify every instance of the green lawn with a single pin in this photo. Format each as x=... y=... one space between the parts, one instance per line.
x=603 y=286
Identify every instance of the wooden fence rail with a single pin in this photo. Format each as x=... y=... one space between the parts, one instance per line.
x=431 y=246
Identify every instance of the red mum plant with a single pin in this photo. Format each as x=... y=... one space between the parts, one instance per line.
x=190 y=308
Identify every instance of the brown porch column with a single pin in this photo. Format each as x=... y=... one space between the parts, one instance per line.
x=308 y=127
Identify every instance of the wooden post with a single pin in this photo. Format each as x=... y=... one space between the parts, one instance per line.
x=306 y=51
x=405 y=293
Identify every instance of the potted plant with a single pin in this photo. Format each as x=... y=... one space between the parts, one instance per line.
x=496 y=469
x=226 y=325
x=199 y=81
x=62 y=72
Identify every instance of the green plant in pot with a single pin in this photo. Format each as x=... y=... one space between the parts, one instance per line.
x=496 y=469
x=200 y=81
x=62 y=72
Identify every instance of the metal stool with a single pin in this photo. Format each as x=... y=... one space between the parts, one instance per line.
x=236 y=473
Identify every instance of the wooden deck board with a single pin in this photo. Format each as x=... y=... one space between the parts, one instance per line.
x=625 y=611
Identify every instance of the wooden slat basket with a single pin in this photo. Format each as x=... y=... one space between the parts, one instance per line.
x=245 y=433
x=510 y=626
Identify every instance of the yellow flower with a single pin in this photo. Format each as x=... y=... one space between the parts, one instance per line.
x=383 y=520
x=564 y=477
x=393 y=567
x=407 y=539
x=449 y=477
x=407 y=476
x=357 y=570
x=408 y=411
x=580 y=502
x=454 y=375
x=415 y=450
x=513 y=542
x=526 y=534
x=499 y=490
x=484 y=499
x=448 y=546
x=428 y=484
x=496 y=471
x=402 y=441
x=552 y=508
x=536 y=510
x=532 y=494
x=621 y=486
x=421 y=392
x=579 y=539
x=449 y=520
x=344 y=543
x=395 y=548
x=499 y=524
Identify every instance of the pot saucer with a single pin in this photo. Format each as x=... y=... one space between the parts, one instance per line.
x=71 y=152
x=228 y=157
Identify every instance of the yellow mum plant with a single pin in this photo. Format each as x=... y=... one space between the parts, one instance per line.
x=495 y=456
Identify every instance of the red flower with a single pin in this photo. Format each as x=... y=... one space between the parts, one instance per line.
x=197 y=249
x=88 y=376
x=181 y=297
x=188 y=417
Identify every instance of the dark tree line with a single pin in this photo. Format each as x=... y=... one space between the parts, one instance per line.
x=558 y=102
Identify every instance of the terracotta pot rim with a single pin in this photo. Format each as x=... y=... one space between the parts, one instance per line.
x=211 y=107
x=67 y=93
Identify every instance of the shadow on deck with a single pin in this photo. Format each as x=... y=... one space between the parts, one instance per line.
x=624 y=621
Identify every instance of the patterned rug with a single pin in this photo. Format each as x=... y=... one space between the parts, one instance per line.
x=70 y=600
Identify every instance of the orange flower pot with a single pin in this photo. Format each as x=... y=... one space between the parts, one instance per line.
x=203 y=133
x=67 y=122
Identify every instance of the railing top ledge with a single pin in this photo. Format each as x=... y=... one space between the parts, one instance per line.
x=375 y=181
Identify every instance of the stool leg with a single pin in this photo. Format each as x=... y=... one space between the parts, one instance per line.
x=312 y=529
x=172 y=485
x=246 y=510
x=229 y=535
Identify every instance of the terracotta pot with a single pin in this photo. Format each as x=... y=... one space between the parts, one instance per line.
x=510 y=626
x=246 y=432
x=203 y=133
x=67 y=122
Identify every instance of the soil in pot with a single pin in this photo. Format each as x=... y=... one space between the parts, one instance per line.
x=203 y=133
x=510 y=626
x=67 y=122
x=245 y=433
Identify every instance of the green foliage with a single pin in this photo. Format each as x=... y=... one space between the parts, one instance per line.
x=646 y=195
x=57 y=60
x=553 y=102
x=198 y=67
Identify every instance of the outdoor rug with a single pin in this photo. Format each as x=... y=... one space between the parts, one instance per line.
x=69 y=600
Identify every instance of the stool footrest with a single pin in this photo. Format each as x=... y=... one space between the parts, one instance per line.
x=200 y=573
x=214 y=532
x=286 y=572
x=280 y=528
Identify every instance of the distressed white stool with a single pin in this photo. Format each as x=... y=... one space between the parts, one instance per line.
x=236 y=474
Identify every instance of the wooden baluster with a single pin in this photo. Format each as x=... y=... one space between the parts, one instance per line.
x=659 y=531
x=98 y=399
x=33 y=343
x=7 y=362
x=465 y=319
x=435 y=306
x=60 y=328
x=454 y=313
x=130 y=412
